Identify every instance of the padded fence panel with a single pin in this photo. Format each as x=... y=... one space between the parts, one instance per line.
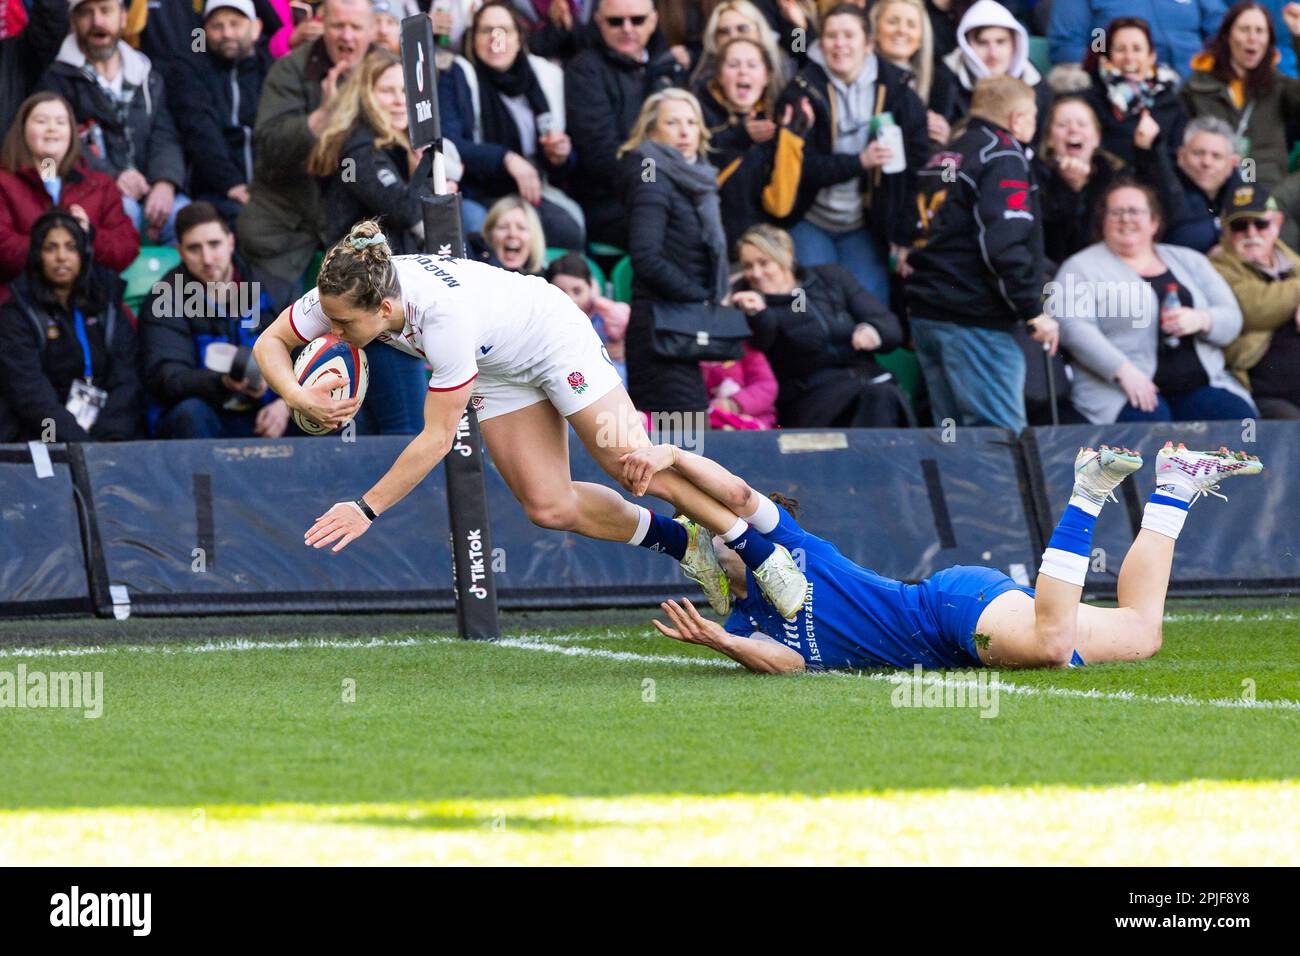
x=203 y=527
x=42 y=563
x=1247 y=544
x=216 y=527
x=904 y=502
x=537 y=568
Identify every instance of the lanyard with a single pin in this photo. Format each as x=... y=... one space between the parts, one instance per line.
x=85 y=345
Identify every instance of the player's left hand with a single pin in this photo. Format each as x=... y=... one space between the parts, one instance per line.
x=689 y=626
x=343 y=523
x=642 y=465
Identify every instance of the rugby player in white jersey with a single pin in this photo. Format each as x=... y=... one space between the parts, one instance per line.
x=531 y=363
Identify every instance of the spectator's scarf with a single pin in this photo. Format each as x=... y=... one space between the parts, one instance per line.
x=495 y=120
x=1131 y=97
x=699 y=180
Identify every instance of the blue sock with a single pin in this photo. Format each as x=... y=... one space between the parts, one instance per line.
x=1074 y=533
x=665 y=535
x=1070 y=549
x=752 y=547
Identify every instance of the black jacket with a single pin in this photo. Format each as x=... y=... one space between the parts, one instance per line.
x=23 y=58
x=9 y=427
x=214 y=103
x=757 y=182
x=1117 y=134
x=169 y=29
x=378 y=186
x=148 y=140
x=1192 y=218
x=886 y=198
x=979 y=254
x=603 y=93
x=174 y=330
x=40 y=356
x=1070 y=216
x=805 y=347
x=670 y=259
x=670 y=263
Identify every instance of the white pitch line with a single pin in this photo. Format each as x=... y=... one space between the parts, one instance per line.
x=1191 y=617
x=531 y=643
x=897 y=677
x=211 y=647
x=539 y=643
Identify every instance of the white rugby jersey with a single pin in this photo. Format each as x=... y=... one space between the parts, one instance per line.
x=463 y=317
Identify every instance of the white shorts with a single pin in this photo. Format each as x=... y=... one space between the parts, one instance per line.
x=571 y=370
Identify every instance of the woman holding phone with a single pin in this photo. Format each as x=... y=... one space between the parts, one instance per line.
x=503 y=108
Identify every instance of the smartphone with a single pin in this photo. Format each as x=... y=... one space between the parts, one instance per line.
x=301 y=11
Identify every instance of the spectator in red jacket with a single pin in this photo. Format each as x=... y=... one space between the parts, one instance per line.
x=41 y=167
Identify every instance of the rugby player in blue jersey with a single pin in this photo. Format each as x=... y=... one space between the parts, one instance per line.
x=959 y=617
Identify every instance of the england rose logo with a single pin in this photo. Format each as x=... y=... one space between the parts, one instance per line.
x=577 y=382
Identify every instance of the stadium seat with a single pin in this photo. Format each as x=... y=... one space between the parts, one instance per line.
x=313 y=270
x=603 y=250
x=621 y=279
x=597 y=273
x=607 y=255
x=903 y=363
x=1039 y=56
x=152 y=264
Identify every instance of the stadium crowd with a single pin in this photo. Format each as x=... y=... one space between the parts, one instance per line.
x=883 y=214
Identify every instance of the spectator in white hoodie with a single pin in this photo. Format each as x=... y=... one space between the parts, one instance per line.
x=990 y=42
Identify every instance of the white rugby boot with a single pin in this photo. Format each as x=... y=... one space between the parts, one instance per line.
x=1192 y=474
x=1097 y=473
x=782 y=583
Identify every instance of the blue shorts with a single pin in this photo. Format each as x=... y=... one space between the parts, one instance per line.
x=956 y=598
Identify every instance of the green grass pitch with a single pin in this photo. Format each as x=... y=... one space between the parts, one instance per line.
x=383 y=740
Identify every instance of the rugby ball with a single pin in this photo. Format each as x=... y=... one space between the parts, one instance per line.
x=330 y=359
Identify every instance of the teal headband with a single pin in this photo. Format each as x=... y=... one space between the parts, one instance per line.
x=359 y=244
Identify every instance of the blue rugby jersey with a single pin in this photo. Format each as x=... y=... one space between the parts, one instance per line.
x=852 y=617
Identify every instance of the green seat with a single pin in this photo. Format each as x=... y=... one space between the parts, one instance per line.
x=1293 y=161
x=597 y=273
x=313 y=270
x=621 y=278
x=1039 y=56
x=603 y=250
x=903 y=363
x=153 y=263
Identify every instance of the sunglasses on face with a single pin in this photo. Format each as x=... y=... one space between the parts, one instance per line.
x=743 y=28
x=636 y=21
x=1241 y=225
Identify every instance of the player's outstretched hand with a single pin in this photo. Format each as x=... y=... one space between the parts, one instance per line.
x=343 y=523
x=321 y=407
x=690 y=627
x=642 y=465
